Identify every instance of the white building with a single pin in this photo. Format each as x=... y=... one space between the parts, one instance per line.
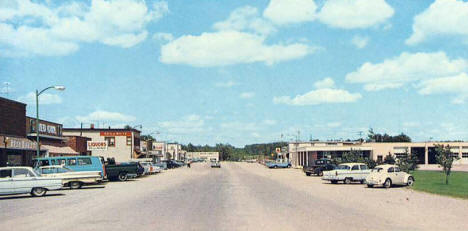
x=203 y=155
x=121 y=144
x=168 y=151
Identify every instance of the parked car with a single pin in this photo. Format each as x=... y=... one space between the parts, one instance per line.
x=147 y=168
x=318 y=167
x=122 y=171
x=70 y=178
x=215 y=164
x=387 y=175
x=21 y=180
x=75 y=163
x=155 y=169
x=347 y=173
x=171 y=164
x=161 y=165
x=278 y=164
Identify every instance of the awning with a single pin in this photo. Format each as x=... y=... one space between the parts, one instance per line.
x=59 y=150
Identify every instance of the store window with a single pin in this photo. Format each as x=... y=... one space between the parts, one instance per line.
x=110 y=141
x=129 y=140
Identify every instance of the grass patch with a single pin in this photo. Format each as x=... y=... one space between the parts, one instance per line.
x=434 y=182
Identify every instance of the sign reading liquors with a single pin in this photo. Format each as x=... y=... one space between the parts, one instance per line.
x=97 y=145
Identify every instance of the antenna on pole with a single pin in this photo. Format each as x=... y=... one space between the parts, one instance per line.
x=6 y=88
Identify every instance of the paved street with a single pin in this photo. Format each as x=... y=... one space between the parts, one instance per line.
x=239 y=196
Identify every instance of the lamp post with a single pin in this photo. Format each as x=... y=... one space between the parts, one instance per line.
x=38 y=93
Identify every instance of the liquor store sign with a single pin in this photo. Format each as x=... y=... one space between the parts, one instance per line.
x=97 y=145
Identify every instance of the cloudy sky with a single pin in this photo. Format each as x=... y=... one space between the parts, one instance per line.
x=242 y=71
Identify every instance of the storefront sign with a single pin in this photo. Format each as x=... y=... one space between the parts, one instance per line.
x=17 y=143
x=116 y=133
x=97 y=145
x=46 y=128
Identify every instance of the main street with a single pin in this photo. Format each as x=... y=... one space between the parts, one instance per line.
x=239 y=196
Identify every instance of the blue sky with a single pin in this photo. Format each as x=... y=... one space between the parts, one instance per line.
x=242 y=72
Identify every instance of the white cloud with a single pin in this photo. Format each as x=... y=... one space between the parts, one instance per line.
x=245 y=19
x=247 y=95
x=325 y=83
x=406 y=68
x=163 y=36
x=454 y=85
x=29 y=28
x=443 y=17
x=359 y=41
x=355 y=14
x=105 y=116
x=333 y=124
x=227 y=84
x=290 y=11
x=187 y=125
x=270 y=122
x=319 y=96
x=228 y=48
x=44 y=98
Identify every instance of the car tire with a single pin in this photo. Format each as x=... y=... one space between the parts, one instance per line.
x=307 y=173
x=75 y=185
x=275 y=166
x=38 y=192
x=123 y=176
x=334 y=181
x=347 y=181
x=370 y=185
x=363 y=181
x=320 y=173
x=387 y=183
x=410 y=181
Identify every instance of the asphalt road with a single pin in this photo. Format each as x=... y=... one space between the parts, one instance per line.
x=239 y=196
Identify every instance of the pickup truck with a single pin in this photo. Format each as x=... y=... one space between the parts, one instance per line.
x=347 y=173
x=122 y=171
x=318 y=167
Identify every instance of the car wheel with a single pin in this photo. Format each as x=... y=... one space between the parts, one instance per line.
x=275 y=166
x=307 y=173
x=363 y=181
x=370 y=185
x=410 y=181
x=320 y=173
x=388 y=183
x=75 y=185
x=38 y=192
x=123 y=176
x=347 y=181
x=334 y=181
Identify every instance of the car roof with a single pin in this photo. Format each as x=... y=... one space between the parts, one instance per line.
x=53 y=166
x=349 y=164
x=15 y=167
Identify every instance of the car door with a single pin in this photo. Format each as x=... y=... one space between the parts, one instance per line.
x=391 y=174
x=23 y=180
x=399 y=175
x=354 y=173
x=6 y=182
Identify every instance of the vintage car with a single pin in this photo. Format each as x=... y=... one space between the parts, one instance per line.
x=278 y=164
x=147 y=168
x=70 y=178
x=347 y=173
x=20 y=180
x=318 y=167
x=387 y=175
x=215 y=164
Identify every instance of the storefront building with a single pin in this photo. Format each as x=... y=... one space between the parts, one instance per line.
x=121 y=144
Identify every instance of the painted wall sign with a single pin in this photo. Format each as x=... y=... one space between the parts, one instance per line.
x=96 y=145
x=116 y=133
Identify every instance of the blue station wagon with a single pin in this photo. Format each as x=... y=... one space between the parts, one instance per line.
x=75 y=163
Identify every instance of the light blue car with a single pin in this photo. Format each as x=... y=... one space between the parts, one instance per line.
x=75 y=163
x=278 y=164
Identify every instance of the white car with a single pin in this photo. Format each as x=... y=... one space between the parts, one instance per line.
x=73 y=179
x=155 y=169
x=147 y=166
x=387 y=175
x=20 y=180
x=347 y=173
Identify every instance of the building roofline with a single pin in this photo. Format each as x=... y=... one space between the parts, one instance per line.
x=99 y=129
x=43 y=120
x=13 y=101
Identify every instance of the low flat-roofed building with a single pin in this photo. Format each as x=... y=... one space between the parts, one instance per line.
x=203 y=155
x=304 y=153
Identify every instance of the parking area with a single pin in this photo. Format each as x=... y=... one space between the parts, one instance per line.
x=238 y=196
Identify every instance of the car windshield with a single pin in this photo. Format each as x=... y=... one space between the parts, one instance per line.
x=345 y=167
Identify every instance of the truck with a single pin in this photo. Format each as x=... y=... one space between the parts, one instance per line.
x=122 y=171
x=318 y=167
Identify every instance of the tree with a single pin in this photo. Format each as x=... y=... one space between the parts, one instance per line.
x=389 y=159
x=351 y=156
x=376 y=137
x=147 y=137
x=407 y=162
x=445 y=159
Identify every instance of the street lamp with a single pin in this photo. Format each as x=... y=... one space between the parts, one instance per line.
x=38 y=93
